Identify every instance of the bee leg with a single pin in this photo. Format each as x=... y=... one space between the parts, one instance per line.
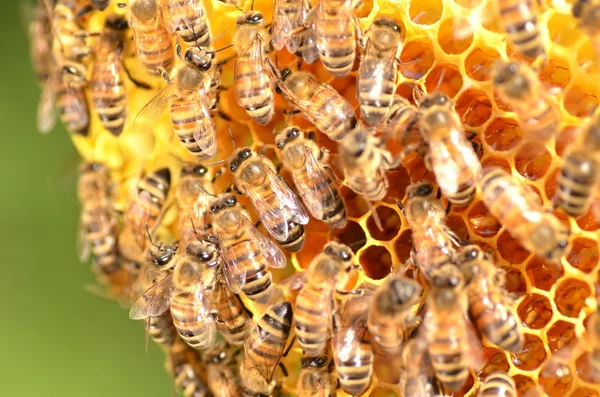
x=312 y=135
x=283 y=369
x=324 y=155
x=178 y=48
x=257 y=224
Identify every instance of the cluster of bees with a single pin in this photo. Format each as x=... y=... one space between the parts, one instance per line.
x=199 y=293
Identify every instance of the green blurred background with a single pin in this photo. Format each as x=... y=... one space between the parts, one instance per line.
x=55 y=338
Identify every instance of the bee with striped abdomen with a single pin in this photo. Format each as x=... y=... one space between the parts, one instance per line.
x=288 y=22
x=247 y=253
x=520 y=20
x=307 y=39
x=378 y=73
x=402 y=122
x=317 y=377
x=222 y=370
x=70 y=42
x=416 y=375
x=314 y=181
x=277 y=206
x=187 y=19
x=192 y=201
x=71 y=101
x=231 y=314
x=498 y=384
x=188 y=370
x=264 y=345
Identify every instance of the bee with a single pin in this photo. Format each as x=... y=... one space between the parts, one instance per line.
x=253 y=88
x=192 y=201
x=377 y=73
x=190 y=101
x=247 y=253
x=264 y=346
x=536 y=111
x=402 y=121
x=365 y=164
x=277 y=206
x=416 y=375
x=336 y=28
x=434 y=243
x=453 y=160
x=184 y=292
x=521 y=24
x=392 y=314
x=520 y=212
x=70 y=38
x=317 y=377
x=107 y=85
x=188 y=370
x=231 y=314
x=320 y=104
x=71 y=100
x=307 y=39
x=146 y=203
x=153 y=46
x=578 y=177
x=161 y=329
x=586 y=11
x=288 y=22
x=100 y=4
x=314 y=181
x=488 y=307
x=327 y=272
x=222 y=370
x=187 y=19
x=498 y=384
x=98 y=231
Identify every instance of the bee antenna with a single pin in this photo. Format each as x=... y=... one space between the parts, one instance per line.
x=205 y=191
x=221 y=49
x=252 y=6
x=150 y=238
x=231 y=136
x=236 y=6
x=194 y=227
x=439 y=83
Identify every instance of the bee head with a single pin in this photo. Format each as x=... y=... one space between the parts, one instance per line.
x=205 y=252
x=163 y=255
x=339 y=251
x=238 y=158
x=116 y=22
x=550 y=237
x=190 y=169
x=447 y=277
x=423 y=189
x=314 y=362
x=387 y=22
x=471 y=253
x=355 y=143
x=200 y=58
x=286 y=136
x=404 y=291
x=144 y=10
x=250 y=18
x=512 y=78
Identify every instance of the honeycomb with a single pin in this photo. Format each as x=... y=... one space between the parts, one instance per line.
x=449 y=45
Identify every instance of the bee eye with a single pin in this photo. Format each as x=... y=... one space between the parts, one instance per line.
x=345 y=256
x=424 y=190
x=563 y=243
x=442 y=99
x=230 y=201
x=246 y=153
x=234 y=165
x=214 y=209
x=280 y=144
x=329 y=251
x=201 y=170
x=320 y=361
x=205 y=256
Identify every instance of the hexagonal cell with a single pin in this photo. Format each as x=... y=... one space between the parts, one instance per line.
x=356 y=206
x=562 y=29
x=482 y=222
x=493 y=161
x=376 y=261
x=586 y=58
x=455 y=35
x=365 y=8
x=542 y=274
x=416 y=59
x=590 y=221
x=352 y=235
x=503 y=134
x=457 y=225
x=570 y=296
x=585 y=370
x=426 y=12
x=390 y=221
x=560 y=335
x=495 y=361
x=585 y=392
x=532 y=355
x=551 y=183
x=403 y=245
x=510 y=249
x=566 y=135
x=451 y=81
x=556 y=379
x=399 y=181
x=474 y=107
x=479 y=63
x=579 y=101
x=388 y=368
x=526 y=386
x=515 y=282
x=556 y=73
x=535 y=311
x=489 y=21
x=584 y=254
x=533 y=160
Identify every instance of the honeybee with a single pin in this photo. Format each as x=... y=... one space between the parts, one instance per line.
x=320 y=104
x=71 y=100
x=327 y=272
x=152 y=42
x=192 y=201
x=190 y=101
x=434 y=243
x=100 y=4
x=307 y=39
x=453 y=160
x=222 y=370
x=314 y=181
x=97 y=223
x=107 y=85
x=402 y=121
x=288 y=22
x=146 y=203
x=187 y=19
x=518 y=84
x=277 y=206
x=70 y=38
x=247 y=253
x=365 y=164
x=520 y=212
x=336 y=28
x=188 y=370
x=392 y=314
x=416 y=375
x=520 y=20
x=161 y=329
x=377 y=73
x=264 y=346
x=578 y=177
x=231 y=315
x=316 y=377
x=498 y=384
x=587 y=13
x=184 y=292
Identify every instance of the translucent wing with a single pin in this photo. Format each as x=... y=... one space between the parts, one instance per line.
x=46 y=115
x=281 y=26
x=375 y=73
x=234 y=272
x=203 y=315
x=178 y=12
x=137 y=214
x=309 y=39
x=253 y=340
x=83 y=243
x=204 y=129
x=155 y=301
x=153 y=109
x=228 y=318
x=269 y=249
x=250 y=71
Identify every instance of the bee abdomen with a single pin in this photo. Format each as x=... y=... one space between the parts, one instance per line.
x=192 y=330
x=498 y=384
x=161 y=329
x=74 y=110
x=450 y=368
x=522 y=27
x=575 y=184
x=355 y=373
x=197 y=34
x=258 y=283
x=335 y=214
x=296 y=237
x=464 y=194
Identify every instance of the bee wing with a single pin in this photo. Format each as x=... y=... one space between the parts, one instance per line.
x=155 y=301
x=281 y=26
x=253 y=339
x=178 y=12
x=309 y=39
x=83 y=243
x=137 y=215
x=384 y=66
x=293 y=282
x=224 y=294
x=253 y=68
x=203 y=315
x=156 y=106
x=46 y=115
x=269 y=249
x=235 y=273
x=204 y=133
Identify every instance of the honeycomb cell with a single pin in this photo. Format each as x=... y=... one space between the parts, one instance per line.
x=495 y=361
x=579 y=101
x=352 y=235
x=407 y=90
x=451 y=80
x=533 y=160
x=555 y=74
x=488 y=21
x=510 y=249
x=457 y=225
x=526 y=386
x=474 y=107
x=556 y=379
x=482 y=222
x=551 y=183
x=586 y=58
x=479 y=63
x=562 y=29
x=560 y=334
x=585 y=370
x=376 y=261
x=570 y=297
x=585 y=392
x=425 y=12
x=399 y=181
x=416 y=59
x=455 y=35
x=584 y=254
x=503 y=134
x=390 y=221
x=564 y=138
x=542 y=274
x=493 y=161
x=403 y=245
x=515 y=282
x=535 y=311
x=590 y=221
x=532 y=355
x=356 y=206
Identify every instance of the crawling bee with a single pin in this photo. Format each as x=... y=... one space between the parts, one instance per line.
x=187 y=19
x=498 y=384
x=289 y=17
x=317 y=377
